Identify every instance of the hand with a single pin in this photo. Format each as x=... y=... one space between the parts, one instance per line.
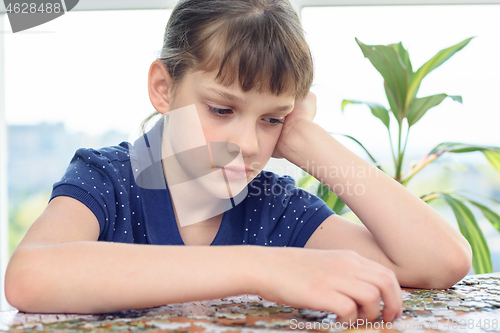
x=304 y=110
x=340 y=281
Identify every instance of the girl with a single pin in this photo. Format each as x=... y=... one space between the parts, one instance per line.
x=232 y=84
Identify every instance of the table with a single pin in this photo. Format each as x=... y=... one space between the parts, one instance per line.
x=472 y=305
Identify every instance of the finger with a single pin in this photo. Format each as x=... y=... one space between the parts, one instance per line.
x=385 y=280
x=400 y=313
x=367 y=296
x=343 y=306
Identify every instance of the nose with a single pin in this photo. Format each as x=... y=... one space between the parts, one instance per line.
x=246 y=138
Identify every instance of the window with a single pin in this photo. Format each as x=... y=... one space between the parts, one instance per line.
x=343 y=73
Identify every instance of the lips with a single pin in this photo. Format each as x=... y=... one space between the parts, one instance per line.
x=233 y=172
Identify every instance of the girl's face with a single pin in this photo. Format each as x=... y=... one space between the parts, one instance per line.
x=252 y=120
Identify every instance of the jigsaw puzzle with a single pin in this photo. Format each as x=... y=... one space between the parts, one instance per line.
x=472 y=305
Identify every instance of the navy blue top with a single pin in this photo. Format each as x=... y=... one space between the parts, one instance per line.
x=274 y=212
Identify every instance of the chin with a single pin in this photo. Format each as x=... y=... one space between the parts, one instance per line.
x=216 y=185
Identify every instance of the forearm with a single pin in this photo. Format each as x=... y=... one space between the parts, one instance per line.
x=411 y=234
x=93 y=277
x=96 y=277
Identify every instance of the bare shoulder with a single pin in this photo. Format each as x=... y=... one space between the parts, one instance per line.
x=64 y=220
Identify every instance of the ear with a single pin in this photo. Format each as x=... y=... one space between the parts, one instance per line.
x=159 y=86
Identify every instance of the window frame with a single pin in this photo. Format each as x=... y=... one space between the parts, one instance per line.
x=4 y=205
x=86 y=5
x=100 y=5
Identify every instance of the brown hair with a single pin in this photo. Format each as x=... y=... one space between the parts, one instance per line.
x=258 y=42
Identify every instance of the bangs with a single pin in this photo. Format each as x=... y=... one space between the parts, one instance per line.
x=257 y=53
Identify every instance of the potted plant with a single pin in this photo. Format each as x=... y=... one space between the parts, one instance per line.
x=401 y=85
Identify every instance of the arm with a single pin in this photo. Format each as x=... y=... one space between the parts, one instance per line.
x=400 y=231
x=60 y=267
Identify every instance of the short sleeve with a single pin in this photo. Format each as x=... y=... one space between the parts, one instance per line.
x=93 y=178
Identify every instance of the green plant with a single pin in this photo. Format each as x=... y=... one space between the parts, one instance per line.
x=401 y=85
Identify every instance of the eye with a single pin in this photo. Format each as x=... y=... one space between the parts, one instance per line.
x=275 y=121
x=219 y=112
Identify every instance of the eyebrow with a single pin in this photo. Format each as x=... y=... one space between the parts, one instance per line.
x=235 y=98
x=226 y=95
x=283 y=108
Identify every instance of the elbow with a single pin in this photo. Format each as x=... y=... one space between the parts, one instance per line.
x=13 y=282
x=461 y=263
x=456 y=265
x=441 y=271
x=34 y=284
x=450 y=269
x=452 y=272
x=21 y=288
x=14 y=293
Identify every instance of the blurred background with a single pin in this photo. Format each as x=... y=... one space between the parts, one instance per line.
x=81 y=81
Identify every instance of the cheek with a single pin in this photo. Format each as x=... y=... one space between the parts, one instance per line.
x=212 y=130
x=268 y=142
x=185 y=129
x=212 y=134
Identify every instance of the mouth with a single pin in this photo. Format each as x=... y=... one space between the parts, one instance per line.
x=237 y=173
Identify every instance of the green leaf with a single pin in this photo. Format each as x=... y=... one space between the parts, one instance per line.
x=457 y=147
x=490 y=215
x=429 y=197
x=323 y=192
x=404 y=56
x=493 y=157
x=469 y=228
x=378 y=110
x=396 y=110
x=387 y=62
x=492 y=153
x=306 y=181
x=330 y=198
x=457 y=98
x=338 y=206
x=420 y=106
x=436 y=61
